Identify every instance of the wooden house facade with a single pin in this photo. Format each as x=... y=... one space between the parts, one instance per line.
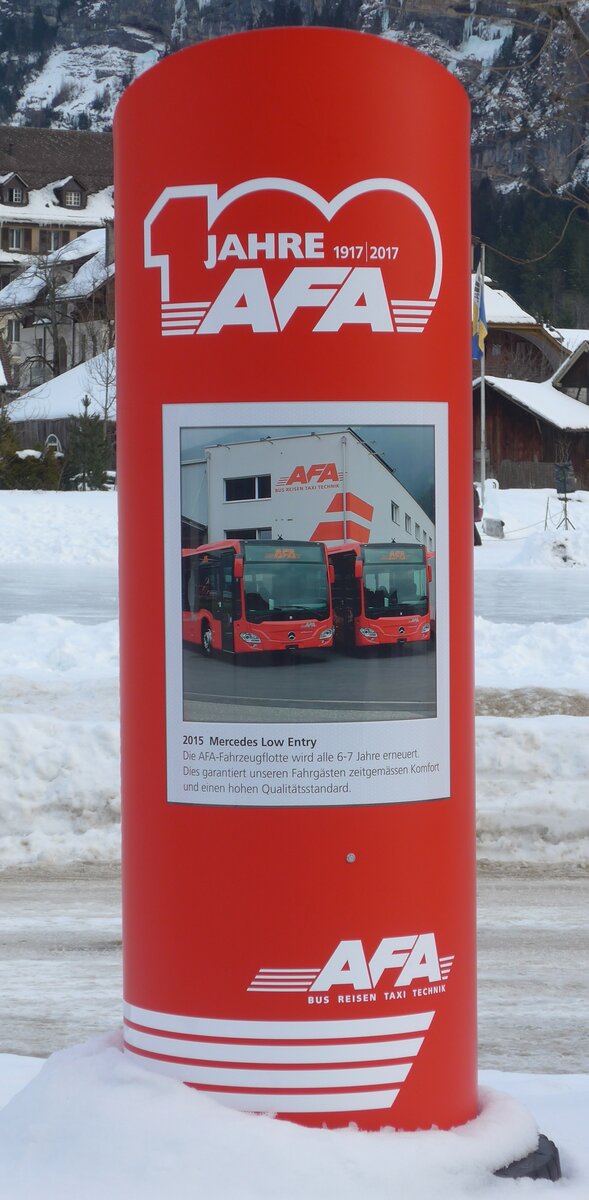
x=528 y=428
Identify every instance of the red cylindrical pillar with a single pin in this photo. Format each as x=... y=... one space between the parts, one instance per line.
x=292 y=248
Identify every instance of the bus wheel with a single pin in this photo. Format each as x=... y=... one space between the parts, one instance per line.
x=206 y=640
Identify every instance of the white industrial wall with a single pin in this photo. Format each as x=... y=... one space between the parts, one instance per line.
x=299 y=509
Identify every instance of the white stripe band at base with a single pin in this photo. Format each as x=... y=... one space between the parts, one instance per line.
x=211 y=1027
x=291 y=1078
x=364 y=1052
x=327 y=1102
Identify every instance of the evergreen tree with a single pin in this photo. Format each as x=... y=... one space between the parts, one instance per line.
x=8 y=448
x=41 y=33
x=34 y=472
x=86 y=459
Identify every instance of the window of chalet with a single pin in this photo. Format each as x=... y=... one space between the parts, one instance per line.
x=72 y=198
x=51 y=239
x=16 y=195
x=13 y=330
x=15 y=239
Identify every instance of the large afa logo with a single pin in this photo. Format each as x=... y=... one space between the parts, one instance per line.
x=273 y=255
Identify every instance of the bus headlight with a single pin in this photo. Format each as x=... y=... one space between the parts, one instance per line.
x=425 y=628
x=368 y=633
x=252 y=639
x=326 y=634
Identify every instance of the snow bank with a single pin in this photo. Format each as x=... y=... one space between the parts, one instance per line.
x=93 y=1124
x=59 y=790
x=552 y=548
x=59 y=741
x=58 y=528
x=532 y=790
x=539 y=655
x=527 y=543
x=40 y=648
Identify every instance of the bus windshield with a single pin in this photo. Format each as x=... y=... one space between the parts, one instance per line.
x=395 y=589
x=285 y=584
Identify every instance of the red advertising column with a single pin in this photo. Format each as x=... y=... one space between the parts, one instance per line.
x=295 y=458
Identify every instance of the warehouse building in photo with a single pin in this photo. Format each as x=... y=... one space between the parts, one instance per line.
x=326 y=487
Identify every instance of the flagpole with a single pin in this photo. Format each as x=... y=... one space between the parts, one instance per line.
x=483 y=412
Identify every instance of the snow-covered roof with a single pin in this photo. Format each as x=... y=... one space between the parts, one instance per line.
x=91 y=275
x=543 y=400
x=3 y=379
x=11 y=258
x=572 y=338
x=43 y=209
x=62 y=396
x=27 y=286
x=23 y=290
x=82 y=246
x=502 y=309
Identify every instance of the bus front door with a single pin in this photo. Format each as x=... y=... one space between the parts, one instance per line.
x=227 y=604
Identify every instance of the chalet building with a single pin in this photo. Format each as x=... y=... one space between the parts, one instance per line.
x=528 y=428
x=54 y=184
x=56 y=243
x=46 y=411
x=58 y=311
x=517 y=345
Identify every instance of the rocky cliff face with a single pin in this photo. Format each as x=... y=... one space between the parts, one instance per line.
x=65 y=63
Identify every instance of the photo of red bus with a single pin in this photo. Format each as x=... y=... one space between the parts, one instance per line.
x=250 y=597
x=382 y=594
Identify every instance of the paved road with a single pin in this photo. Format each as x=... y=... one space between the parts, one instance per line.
x=83 y=594
x=89 y=594
x=60 y=965
x=382 y=684
x=524 y=597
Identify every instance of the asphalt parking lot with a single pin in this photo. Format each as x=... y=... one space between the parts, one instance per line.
x=386 y=683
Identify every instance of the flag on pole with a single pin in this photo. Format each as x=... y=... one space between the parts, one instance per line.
x=479 y=319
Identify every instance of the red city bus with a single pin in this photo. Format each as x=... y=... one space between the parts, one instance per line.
x=253 y=596
x=382 y=594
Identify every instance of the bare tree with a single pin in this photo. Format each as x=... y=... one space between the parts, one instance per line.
x=103 y=381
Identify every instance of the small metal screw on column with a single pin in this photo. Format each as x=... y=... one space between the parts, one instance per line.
x=350 y=858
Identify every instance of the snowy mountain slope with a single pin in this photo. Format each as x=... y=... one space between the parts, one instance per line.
x=65 y=64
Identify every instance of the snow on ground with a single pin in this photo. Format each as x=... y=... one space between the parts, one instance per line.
x=91 y=1123
x=59 y=790
x=534 y=530
x=57 y=528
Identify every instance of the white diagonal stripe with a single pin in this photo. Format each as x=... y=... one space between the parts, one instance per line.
x=225 y=1052
x=419 y=313
x=174 y=324
x=417 y=303
x=167 y=304
x=319 y=1102
x=278 y=1030
x=289 y=971
x=274 y=1077
x=279 y=987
